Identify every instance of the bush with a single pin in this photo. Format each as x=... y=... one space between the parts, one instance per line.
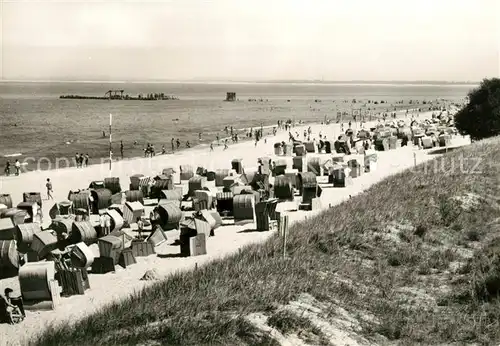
x=449 y=210
x=480 y=118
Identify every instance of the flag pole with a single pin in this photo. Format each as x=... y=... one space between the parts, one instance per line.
x=110 y=152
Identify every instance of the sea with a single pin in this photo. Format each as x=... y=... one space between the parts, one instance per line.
x=37 y=125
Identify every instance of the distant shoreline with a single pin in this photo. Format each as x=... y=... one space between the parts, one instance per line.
x=272 y=82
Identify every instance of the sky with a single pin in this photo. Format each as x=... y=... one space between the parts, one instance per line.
x=334 y=40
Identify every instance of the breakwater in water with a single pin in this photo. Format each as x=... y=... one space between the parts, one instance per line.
x=118 y=95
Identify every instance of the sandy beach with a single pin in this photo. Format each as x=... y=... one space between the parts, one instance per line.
x=109 y=287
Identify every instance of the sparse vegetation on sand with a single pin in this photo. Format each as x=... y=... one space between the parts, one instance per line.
x=413 y=260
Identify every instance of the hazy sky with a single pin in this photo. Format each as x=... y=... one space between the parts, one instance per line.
x=248 y=40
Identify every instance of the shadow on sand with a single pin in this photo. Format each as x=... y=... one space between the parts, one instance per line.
x=442 y=150
x=248 y=230
x=169 y=255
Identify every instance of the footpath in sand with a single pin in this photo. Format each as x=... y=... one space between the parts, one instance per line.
x=113 y=286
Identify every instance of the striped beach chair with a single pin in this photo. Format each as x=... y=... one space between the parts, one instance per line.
x=145 y=185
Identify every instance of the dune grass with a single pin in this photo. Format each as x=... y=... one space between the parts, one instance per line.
x=423 y=265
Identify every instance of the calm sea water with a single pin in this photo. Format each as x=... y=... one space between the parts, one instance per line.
x=36 y=123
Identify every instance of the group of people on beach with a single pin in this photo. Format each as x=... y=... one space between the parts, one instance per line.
x=252 y=133
x=175 y=144
x=149 y=151
x=285 y=125
x=17 y=166
x=82 y=160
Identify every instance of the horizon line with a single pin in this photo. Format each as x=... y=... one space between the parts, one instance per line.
x=243 y=81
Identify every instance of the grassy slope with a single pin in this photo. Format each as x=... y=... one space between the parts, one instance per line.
x=427 y=270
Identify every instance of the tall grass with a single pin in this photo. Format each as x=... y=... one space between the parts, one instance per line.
x=399 y=243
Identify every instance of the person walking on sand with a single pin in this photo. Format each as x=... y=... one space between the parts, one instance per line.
x=121 y=148
x=211 y=147
x=17 y=164
x=178 y=142
x=225 y=144
x=48 y=185
x=163 y=150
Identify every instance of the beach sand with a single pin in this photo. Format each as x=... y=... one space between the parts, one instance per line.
x=110 y=287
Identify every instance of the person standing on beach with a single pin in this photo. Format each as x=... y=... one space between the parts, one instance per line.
x=173 y=147
x=163 y=150
x=77 y=160
x=211 y=146
x=199 y=136
x=140 y=227
x=102 y=223
x=87 y=157
x=217 y=137
x=48 y=185
x=178 y=143
x=121 y=148
x=7 y=168
x=225 y=144
x=81 y=160
x=17 y=164
x=107 y=223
